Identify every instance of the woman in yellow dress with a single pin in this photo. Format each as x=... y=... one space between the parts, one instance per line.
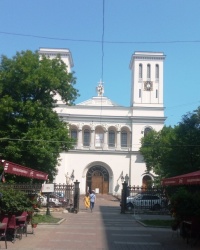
x=87 y=200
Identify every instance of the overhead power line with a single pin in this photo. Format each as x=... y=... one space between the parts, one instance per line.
x=98 y=41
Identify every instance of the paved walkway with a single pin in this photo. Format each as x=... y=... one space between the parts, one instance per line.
x=104 y=229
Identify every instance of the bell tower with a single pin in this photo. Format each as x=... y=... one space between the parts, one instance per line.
x=147 y=79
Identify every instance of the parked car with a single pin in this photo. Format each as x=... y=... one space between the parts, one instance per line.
x=53 y=201
x=61 y=197
x=144 y=201
x=65 y=201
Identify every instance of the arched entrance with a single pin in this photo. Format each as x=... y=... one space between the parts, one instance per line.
x=98 y=178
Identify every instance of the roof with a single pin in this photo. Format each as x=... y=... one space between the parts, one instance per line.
x=98 y=101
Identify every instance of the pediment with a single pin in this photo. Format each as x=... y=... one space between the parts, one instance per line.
x=98 y=101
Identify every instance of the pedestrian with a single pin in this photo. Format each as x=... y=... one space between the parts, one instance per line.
x=87 y=200
x=92 y=200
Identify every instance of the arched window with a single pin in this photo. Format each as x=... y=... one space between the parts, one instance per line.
x=74 y=135
x=147 y=130
x=140 y=71
x=157 y=71
x=86 y=138
x=99 y=137
x=124 y=139
x=111 y=138
x=148 y=71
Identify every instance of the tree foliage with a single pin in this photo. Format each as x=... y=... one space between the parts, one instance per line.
x=13 y=201
x=174 y=151
x=31 y=133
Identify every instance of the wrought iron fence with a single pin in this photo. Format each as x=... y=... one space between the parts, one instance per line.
x=68 y=195
x=65 y=193
x=25 y=187
x=141 y=199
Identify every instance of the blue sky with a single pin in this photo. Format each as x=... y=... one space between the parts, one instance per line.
x=169 y=26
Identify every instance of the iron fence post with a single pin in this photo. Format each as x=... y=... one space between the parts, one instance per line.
x=76 y=196
x=124 y=195
x=48 y=210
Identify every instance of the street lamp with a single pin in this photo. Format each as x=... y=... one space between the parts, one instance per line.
x=126 y=178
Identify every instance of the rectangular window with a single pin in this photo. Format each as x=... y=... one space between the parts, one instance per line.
x=139 y=93
x=156 y=93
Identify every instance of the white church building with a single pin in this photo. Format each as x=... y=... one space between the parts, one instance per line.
x=108 y=136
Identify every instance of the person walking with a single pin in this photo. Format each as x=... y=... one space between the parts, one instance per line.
x=87 y=200
x=92 y=200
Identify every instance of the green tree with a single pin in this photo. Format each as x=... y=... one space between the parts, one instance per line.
x=188 y=142
x=156 y=148
x=31 y=132
x=13 y=201
x=174 y=151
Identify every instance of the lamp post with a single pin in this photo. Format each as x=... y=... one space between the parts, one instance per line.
x=126 y=178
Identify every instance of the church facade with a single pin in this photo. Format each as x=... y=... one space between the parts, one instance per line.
x=107 y=136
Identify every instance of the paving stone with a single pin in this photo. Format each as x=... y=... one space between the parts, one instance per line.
x=104 y=229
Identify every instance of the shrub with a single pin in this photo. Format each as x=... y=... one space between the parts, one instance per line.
x=13 y=201
x=185 y=204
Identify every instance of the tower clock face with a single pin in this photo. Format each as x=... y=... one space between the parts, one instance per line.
x=148 y=85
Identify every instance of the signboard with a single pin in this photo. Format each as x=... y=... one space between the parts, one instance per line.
x=47 y=188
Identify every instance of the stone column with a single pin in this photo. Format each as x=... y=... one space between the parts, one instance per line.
x=92 y=146
x=80 y=139
x=105 y=140
x=118 y=140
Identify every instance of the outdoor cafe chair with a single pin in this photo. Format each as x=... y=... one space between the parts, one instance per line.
x=3 y=229
x=22 y=222
x=13 y=228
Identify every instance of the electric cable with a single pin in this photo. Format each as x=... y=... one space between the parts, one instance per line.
x=99 y=41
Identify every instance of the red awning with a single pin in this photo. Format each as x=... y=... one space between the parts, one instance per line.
x=13 y=168
x=185 y=179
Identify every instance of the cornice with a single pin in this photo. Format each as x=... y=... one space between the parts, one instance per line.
x=54 y=52
x=148 y=119
x=144 y=56
x=106 y=152
x=82 y=107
